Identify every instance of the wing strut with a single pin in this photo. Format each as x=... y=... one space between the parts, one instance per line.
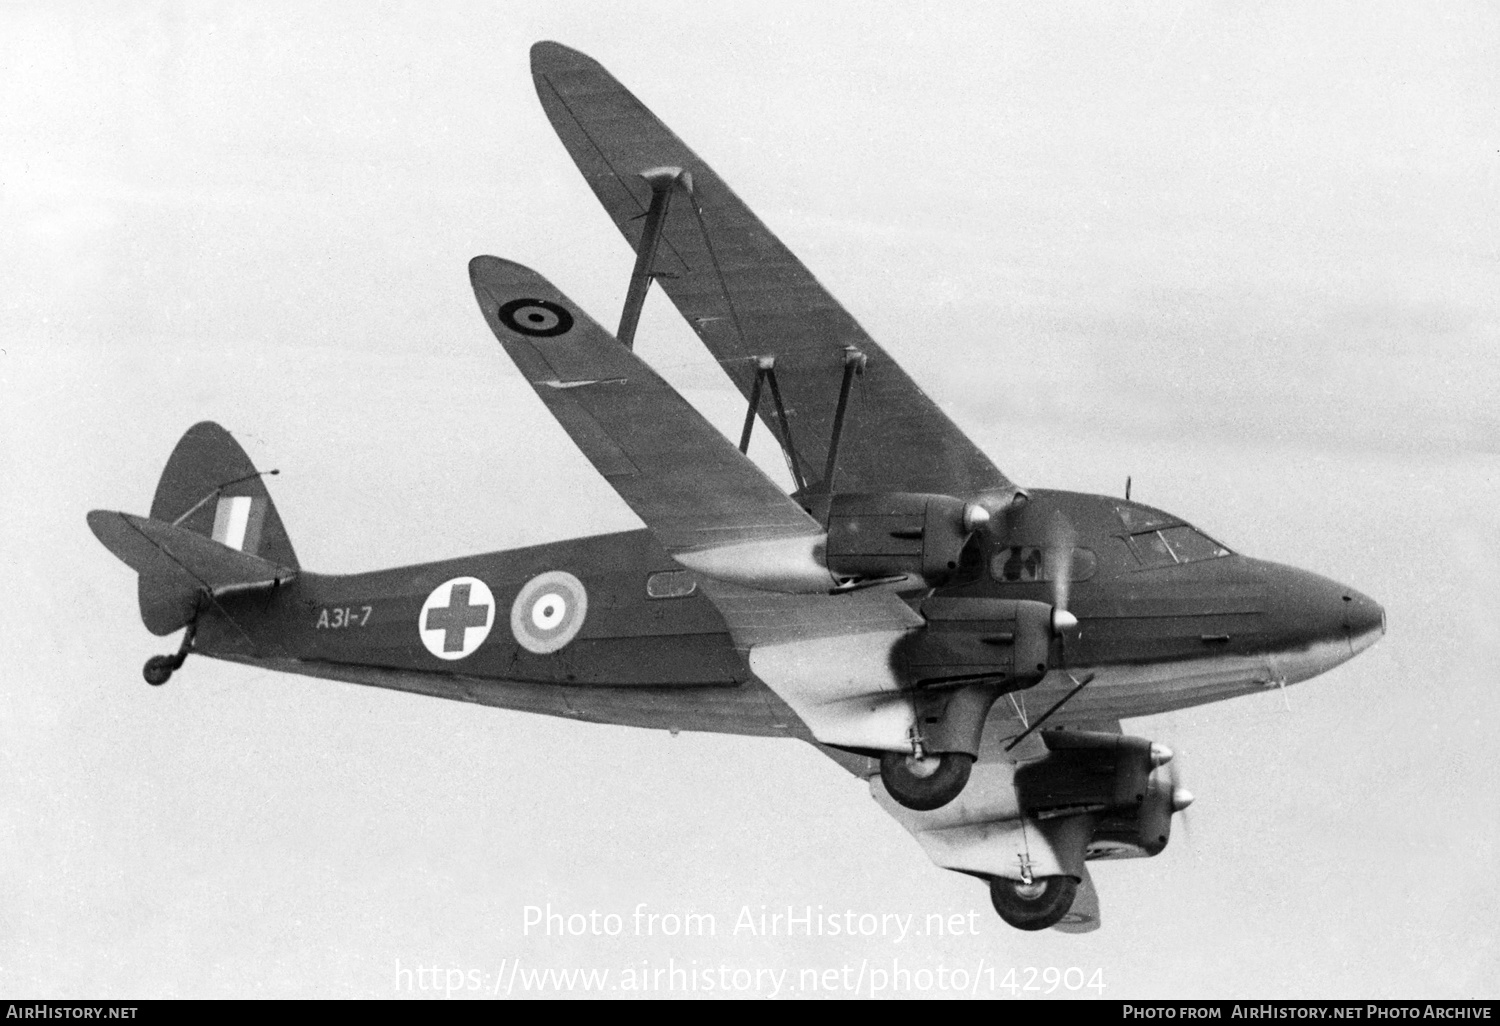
x=854 y=363
x=1088 y=678
x=765 y=371
x=762 y=366
x=661 y=180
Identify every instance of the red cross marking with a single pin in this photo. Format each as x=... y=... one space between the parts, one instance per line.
x=454 y=618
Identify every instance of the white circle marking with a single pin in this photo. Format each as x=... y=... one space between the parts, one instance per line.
x=456 y=618
x=548 y=611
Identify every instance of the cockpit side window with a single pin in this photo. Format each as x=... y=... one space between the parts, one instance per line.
x=1151 y=550
x=1172 y=545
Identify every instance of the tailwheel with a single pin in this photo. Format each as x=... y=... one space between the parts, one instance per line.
x=925 y=783
x=158 y=669
x=1036 y=905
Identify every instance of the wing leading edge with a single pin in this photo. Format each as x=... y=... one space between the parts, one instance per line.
x=750 y=299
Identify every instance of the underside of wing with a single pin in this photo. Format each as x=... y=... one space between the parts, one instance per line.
x=754 y=304
x=698 y=494
x=991 y=831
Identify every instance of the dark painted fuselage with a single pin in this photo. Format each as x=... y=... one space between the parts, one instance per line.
x=1162 y=625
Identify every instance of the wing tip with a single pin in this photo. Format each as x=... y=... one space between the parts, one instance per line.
x=101 y=521
x=480 y=268
x=547 y=55
x=493 y=270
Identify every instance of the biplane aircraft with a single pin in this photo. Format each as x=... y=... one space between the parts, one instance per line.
x=966 y=645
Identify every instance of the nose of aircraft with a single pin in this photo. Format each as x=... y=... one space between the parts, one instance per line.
x=1364 y=620
x=1316 y=623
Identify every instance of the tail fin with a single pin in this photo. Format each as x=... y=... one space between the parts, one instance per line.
x=209 y=489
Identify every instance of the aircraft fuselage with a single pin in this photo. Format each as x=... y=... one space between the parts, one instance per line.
x=1168 y=619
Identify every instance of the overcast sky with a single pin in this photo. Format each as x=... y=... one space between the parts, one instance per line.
x=1247 y=256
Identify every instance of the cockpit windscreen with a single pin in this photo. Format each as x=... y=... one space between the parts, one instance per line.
x=1172 y=545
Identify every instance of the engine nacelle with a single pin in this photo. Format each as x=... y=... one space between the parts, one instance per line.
x=888 y=534
x=972 y=651
x=1112 y=779
x=1123 y=834
x=1008 y=641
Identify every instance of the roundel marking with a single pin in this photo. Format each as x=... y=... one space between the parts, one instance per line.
x=457 y=617
x=539 y=318
x=548 y=611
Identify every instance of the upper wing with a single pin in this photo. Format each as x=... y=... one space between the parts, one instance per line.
x=748 y=298
x=694 y=490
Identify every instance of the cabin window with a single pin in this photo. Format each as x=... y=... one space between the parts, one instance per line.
x=1024 y=563
x=1017 y=564
x=667 y=584
x=1172 y=545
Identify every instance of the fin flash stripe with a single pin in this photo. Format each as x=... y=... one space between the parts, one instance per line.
x=237 y=522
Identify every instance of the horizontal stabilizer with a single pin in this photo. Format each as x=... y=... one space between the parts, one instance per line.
x=158 y=550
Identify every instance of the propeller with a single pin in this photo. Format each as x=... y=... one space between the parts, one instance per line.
x=1061 y=541
x=975 y=517
x=1058 y=554
x=1181 y=797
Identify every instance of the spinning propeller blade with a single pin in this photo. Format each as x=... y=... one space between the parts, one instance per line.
x=1061 y=541
x=1181 y=797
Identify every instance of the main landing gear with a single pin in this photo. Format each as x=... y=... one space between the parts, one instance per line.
x=1036 y=905
x=926 y=782
x=159 y=669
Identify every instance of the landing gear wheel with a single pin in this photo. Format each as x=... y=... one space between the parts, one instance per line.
x=1034 y=906
x=158 y=670
x=927 y=783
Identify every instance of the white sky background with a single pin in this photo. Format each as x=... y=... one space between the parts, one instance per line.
x=1248 y=256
